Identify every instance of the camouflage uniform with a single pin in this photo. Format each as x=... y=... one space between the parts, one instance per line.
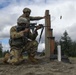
x=20 y=44
x=30 y=18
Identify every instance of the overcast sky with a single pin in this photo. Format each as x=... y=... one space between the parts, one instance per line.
x=10 y=10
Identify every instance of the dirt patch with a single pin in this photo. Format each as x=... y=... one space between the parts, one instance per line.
x=44 y=67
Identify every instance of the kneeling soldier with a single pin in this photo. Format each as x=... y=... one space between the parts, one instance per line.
x=21 y=40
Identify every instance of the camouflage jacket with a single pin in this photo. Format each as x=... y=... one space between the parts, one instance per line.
x=31 y=18
x=18 y=38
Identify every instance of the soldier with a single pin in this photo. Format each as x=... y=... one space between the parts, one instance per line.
x=21 y=41
x=26 y=14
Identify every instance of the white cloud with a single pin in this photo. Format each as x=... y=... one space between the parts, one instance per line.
x=5 y=47
x=41 y=47
x=5 y=32
x=66 y=8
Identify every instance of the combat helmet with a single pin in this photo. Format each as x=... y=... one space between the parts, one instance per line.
x=22 y=20
x=26 y=10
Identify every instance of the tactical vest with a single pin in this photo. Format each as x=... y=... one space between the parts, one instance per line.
x=18 y=41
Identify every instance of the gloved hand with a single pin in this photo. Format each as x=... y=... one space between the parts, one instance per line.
x=26 y=30
x=39 y=26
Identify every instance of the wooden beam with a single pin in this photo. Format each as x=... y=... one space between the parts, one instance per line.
x=47 y=34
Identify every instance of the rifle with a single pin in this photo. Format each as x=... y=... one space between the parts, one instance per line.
x=31 y=26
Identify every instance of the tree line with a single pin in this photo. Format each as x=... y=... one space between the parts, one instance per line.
x=2 y=53
x=68 y=47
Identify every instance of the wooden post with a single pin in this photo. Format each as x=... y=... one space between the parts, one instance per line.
x=52 y=43
x=47 y=34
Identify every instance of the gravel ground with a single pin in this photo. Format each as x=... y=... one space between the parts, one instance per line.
x=44 y=67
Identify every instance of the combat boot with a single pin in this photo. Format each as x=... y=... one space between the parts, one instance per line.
x=21 y=59
x=15 y=61
x=32 y=59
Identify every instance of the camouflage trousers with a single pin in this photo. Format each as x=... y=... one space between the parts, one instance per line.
x=16 y=52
